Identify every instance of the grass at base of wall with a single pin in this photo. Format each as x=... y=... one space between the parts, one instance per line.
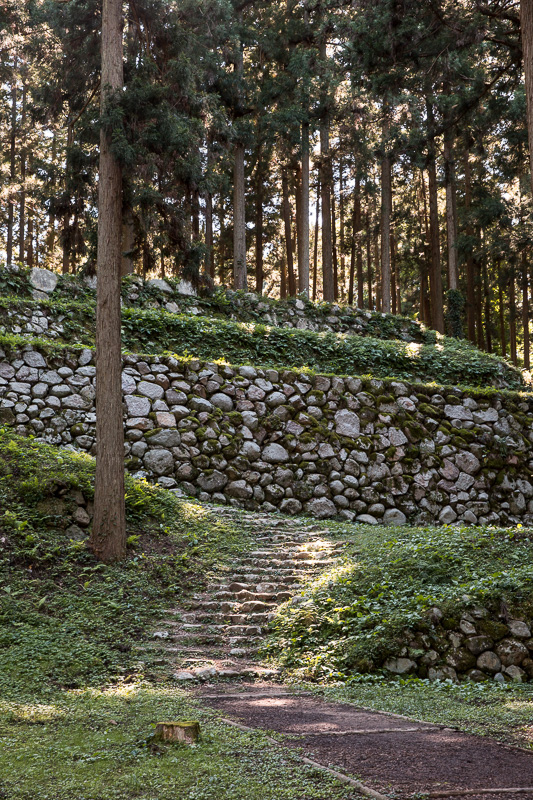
x=503 y=712
x=156 y=331
x=94 y=744
x=353 y=617
x=66 y=620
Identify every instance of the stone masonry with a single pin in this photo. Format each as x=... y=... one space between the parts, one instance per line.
x=364 y=450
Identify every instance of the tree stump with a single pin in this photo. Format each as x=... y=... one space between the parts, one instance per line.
x=187 y=732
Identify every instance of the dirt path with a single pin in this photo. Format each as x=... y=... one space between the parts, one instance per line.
x=397 y=757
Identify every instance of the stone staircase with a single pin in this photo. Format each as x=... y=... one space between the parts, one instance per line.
x=217 y=634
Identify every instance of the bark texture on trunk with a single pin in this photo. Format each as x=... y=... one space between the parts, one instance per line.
x=435 y=276
x=470 y=280
x=451 y=210
x=526 y=25
x=287 y=216
x=303 y=233
x=315 y=247
x=108 y=537
x=239 y=221
x=22 y=206
x=128 y=242
x=328 y=288
x=12 y=167
x=386 y=213
x=239 y=204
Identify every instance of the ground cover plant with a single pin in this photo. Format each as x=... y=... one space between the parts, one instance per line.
x=64 y=617
x=94 y=744
x=349 y=620
x=157 y=331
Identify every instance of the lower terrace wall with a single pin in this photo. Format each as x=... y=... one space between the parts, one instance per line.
x=361 y=449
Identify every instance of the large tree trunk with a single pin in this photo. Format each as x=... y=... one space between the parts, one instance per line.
x=12 y=166
x=435 y=276
x=386 y=213
x=303 y=233
x=451 y=210
x=108 y=536
x=287 y=217
x=128 y=242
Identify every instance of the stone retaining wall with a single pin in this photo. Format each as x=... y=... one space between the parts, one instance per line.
x=178 y=297
x=365 y=450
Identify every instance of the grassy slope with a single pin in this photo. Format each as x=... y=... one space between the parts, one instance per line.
x=76 y=710
x=352 y=617
x=151 y=331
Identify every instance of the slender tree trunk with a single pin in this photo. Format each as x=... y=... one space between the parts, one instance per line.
x=479 y=298
x=435 y=276
x=315 y=247
x=222 y=242
x=526 y=25
x=259 y=276
x=195 y=215
x=108 y=536
x=51 y=237
x=303 y=240
x=393 y=272
x=512 y=317
x=328 y=286
x=283 y=277
x=503 y=334
x=12 y=165
x=30 y=240
x=334 y=247
x=239 y=202
x=341 y=230
x=239 y=222
x=451 y=210
x=288 y=234
x=470 y=280
x=65 y=234
x=525 y=309
x=369 y=256
x=488 y=316
x=356 y=261
x=22 y=205
x=425 y=300
x=210 y=254
x=386 y=213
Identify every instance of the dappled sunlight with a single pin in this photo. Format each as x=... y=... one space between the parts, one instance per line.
x=413 y=349
x=32 y=714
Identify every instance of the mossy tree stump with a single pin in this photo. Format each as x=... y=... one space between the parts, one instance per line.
x=187 y=732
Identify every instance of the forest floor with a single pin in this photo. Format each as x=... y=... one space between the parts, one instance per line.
x=79 y=699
